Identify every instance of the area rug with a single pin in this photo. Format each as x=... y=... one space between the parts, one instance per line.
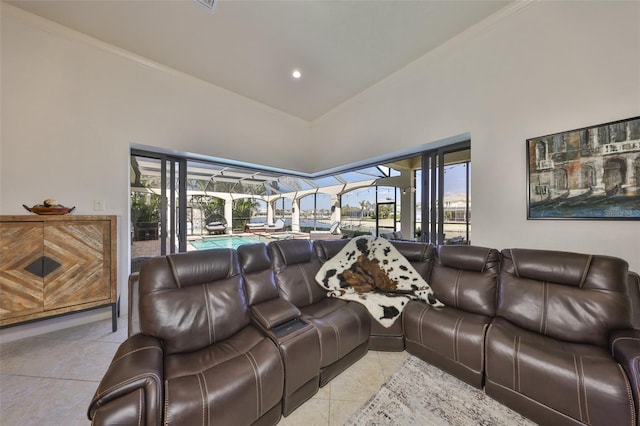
x=421 y=394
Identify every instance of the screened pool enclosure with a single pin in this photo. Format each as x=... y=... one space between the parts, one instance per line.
x=176 y=200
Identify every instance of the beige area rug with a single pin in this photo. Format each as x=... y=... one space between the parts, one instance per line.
x=421 y=394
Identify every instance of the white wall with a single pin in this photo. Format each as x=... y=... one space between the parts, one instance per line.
x=71 y=106
x=542 y=68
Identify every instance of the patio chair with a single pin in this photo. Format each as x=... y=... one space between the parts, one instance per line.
x=216 y=224
x=334 y=232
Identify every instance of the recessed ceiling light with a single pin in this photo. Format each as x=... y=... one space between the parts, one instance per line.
x=296 y=74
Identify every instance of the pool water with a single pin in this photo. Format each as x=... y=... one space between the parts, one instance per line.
x=223 y=242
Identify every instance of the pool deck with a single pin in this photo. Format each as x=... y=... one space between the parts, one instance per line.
x=151 y=248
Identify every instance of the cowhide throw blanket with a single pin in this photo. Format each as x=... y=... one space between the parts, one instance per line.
x=372 y=271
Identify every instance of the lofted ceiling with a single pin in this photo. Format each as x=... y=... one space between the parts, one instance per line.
x=250 y=47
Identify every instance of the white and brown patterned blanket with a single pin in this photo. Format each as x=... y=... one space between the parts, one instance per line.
x=372 y=271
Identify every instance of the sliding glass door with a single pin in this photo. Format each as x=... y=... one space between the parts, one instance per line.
x=445 y=192
x=158 y=205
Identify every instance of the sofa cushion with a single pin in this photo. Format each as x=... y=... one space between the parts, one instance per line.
x=573 y=297
x=233 y=382
x=295 y=267
x=581 y=381
x=342 y=327
x=192 y=300
x=466 y=278
x=260 y=282
x=449 y=338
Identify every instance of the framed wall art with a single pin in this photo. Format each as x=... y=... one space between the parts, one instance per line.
x=588 y=173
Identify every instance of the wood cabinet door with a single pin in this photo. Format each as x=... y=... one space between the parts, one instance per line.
x=21 y=285
x=83 y=251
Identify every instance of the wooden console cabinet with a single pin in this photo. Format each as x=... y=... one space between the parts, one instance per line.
x=56 y=265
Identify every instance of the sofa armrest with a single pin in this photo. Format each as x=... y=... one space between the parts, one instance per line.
x=131 y=390
x=625 y=348
x=634 y=294
x=274 y=312
x=134 y=314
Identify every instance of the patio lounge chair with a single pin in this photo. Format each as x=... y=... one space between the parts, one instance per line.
x=277 y=226
x=396 y=236
x=333 y=233
x=262 y=227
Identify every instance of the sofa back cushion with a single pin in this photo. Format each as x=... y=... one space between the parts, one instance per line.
x=295 y=266
x=420 y=255
x=192 y=300
x=259 y=278
x=572 y=297
x=466 y=278
x=326 y=249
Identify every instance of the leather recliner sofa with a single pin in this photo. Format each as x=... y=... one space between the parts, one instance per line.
x=522 y=324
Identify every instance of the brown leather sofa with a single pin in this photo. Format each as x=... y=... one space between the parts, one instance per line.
x=243 y=337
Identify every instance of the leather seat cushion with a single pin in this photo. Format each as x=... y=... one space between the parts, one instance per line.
x=234 y=381
x=579 y=380
x=342 y=326
x=452 y=333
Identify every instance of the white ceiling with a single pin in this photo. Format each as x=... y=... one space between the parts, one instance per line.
x=250 y=47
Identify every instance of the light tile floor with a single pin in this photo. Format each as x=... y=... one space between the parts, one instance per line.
x=50 y=379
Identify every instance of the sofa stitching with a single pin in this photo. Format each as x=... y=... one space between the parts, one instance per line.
x=614 y=341
x=206 y=388
x=586 y=271
x=166 y=402
x=256 y=376
x=456 y=287
x=134 y=351
x=119 y=384
x=636 y=378
x=545 y=298
x=584 y=390
x=139 y=407
x=174 y=272
x=456 y=332
x=513 y=261
x=516 y=365
x=421 y=321
x=575 y=367
x=337 y=333
x=203 y=396
x=210 y=326
x=485 y=332
x=306 y=284
x=484 y=264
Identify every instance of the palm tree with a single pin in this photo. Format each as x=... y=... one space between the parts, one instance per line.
x=363 y=207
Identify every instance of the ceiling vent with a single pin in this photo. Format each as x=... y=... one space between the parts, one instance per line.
x=210 y=5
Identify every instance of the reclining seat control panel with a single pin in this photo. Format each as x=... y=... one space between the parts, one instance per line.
x=288 y=327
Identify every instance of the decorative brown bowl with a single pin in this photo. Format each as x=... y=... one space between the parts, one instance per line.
x=41 y=209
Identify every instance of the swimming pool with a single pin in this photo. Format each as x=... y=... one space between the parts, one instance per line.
x=232 y=241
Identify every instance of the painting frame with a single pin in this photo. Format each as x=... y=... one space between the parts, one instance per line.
x=590 y=173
